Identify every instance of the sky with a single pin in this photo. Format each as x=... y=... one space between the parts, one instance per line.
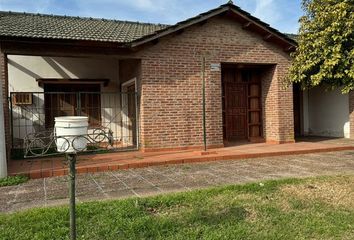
x=280 y=14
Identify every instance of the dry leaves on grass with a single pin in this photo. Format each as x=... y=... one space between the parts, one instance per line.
x=338 y=192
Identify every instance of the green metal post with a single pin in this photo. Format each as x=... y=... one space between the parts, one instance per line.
x=72 y=161
x=204 y=118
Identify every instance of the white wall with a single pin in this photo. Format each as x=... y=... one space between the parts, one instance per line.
x=24 y=70
x=326 y=113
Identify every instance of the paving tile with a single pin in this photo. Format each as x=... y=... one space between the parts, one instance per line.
x=57 y=193
x=6 y=207
x=107 y=182
x=20 y=206
x=172 y=178
x=57 y=202
x=154 y=178
x=171 y=187
x=120 y=193
x=88 y=192
x=135 y=182
x=8 y=193
x=30 y=196
x=146 y=191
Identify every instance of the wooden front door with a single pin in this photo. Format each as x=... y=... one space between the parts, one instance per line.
x=64 y=100
x=255 y=130
x=242 y=111
x=235 y=105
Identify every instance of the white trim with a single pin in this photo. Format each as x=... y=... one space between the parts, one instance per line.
x=129 y=83
x=124 y=110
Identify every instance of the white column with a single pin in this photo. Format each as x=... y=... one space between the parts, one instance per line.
x=3 y=163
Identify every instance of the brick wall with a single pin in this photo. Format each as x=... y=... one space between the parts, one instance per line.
x=4 y=85
x=171 y=86
x=351 y=113
x=171 y=90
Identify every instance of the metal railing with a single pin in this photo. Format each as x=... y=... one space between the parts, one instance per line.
x=115 y=114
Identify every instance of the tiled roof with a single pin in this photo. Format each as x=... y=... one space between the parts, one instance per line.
x=29 y=25
x=13 y=24
x=292 y=36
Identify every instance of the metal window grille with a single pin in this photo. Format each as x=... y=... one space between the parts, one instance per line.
x=116 y=113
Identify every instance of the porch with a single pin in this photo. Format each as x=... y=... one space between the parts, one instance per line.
x=103 y=88
x=56 y=166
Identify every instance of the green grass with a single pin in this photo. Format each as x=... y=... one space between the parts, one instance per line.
x=315 y=208
x=13 y=180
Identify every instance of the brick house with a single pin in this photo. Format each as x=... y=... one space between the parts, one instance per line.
x=46 y=60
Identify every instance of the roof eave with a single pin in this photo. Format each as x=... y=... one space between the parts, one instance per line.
x=175 y=28
x=268 y=28
x=64 y=41
x=205 y=16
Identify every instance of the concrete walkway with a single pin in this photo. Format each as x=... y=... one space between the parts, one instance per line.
x=172 y=178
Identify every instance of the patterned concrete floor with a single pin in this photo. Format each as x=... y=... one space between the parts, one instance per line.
x=173 y=178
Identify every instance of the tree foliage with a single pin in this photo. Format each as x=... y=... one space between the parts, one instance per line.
x=325 y=52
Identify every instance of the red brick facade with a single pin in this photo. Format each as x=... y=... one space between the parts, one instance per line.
x=168 y=70
x=4 y=84
x=351 y=113
x=171 y=86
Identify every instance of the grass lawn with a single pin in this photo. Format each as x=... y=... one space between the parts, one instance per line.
x=314 y=208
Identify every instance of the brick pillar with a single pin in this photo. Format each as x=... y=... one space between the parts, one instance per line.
x=5 y=87
x=277 y=103
x=351 y=114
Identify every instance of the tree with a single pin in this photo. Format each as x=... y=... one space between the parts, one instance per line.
x=325 y=52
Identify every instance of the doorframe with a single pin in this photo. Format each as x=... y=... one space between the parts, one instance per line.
x=240 y=67
x=259 y=138
x=124 y=113
x=128 y=83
